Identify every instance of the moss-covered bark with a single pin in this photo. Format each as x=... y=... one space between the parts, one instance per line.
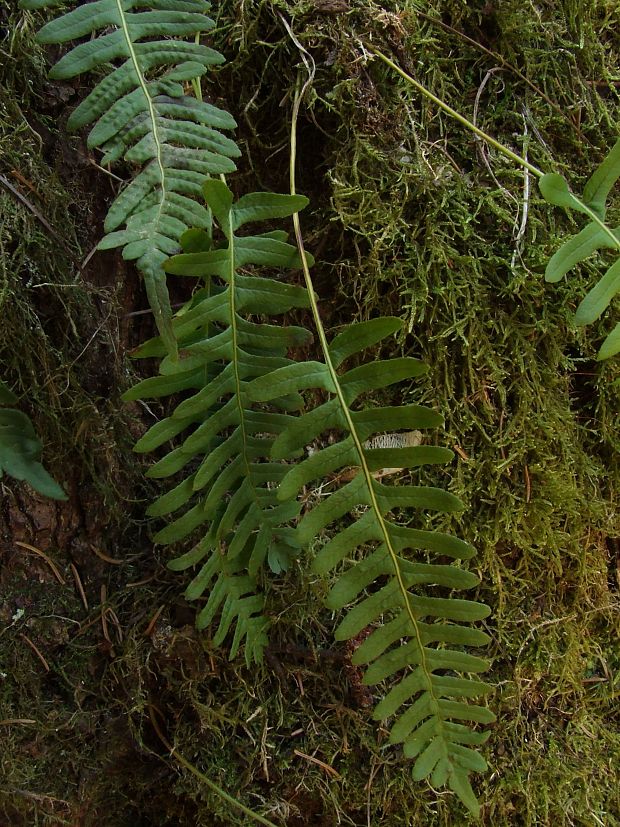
x=408 y=212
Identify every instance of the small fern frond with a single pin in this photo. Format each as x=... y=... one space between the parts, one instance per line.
x=20 y=449
x=596 y=235
x=140 y=113
x=229 y=484
x=231 y=595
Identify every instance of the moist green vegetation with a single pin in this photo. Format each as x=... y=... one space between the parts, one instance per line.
x=405 y=218
x=59 y=330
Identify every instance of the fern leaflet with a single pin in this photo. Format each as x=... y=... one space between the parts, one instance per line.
x=20 y=449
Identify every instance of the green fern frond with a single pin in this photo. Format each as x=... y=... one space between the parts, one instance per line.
x=229 y=486
x=416 y=637
x=140 y=113
x=596 y=235
x=409 y=631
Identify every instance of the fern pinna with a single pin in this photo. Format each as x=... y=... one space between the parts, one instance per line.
x=141 y=114
x=20 y=448
x=231 y=484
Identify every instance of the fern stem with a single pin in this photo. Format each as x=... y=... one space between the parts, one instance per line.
x=203 y=778
x=196 y=81
x=365 y=470
x=594 y=217
x=149 y=100
x=457 y=115
x=239 y=396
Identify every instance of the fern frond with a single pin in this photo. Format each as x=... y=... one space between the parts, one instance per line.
x=140 y=113
x=230 y=483
x=409 y=629
x=596 y=235
x=231 y=595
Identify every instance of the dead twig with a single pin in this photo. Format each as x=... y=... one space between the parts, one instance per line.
x=104 y=622
x=106 y=559
x=329 y=770
x=153 y=621
x=78 y=585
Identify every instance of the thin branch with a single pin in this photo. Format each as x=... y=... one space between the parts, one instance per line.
x=457 y=115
